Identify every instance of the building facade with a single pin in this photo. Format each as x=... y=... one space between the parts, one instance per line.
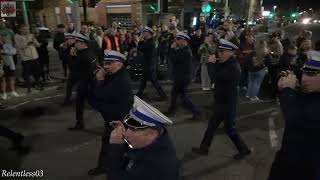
x=103 y=14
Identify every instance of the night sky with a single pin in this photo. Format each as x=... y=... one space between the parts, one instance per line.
x=304 y=4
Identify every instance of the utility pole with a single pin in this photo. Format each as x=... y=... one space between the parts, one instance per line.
x=85 y=14
x=25 y=14
x=226 y=8
x=76 y=15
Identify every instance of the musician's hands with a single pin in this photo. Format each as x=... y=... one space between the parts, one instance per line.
x=287 y=80
x=116 y=136
x=100 y=74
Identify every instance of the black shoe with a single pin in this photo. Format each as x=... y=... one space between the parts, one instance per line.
x=77 y=127
x=241 y=155
x=97 y=171
x=203 y=152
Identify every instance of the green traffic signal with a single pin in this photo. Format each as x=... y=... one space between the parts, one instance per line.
x=294 y=15
x=70 y=1
x=153 y=8
x=206 y=8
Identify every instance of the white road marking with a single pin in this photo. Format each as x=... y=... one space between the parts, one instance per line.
x=48 y=97
x=79 y=146
x=18 y=105
x=272 y=131
x=257 y=113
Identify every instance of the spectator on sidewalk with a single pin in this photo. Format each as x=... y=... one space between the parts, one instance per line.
x=257 y=70
x=111 y=41
x=71 y=28
x=276 y=50
x=26 y=45
x=1 y=76
x=246 y=49
x=99 y=37
x=207 y=49
x=93 y=45
x=195 y=43
x=57 y=42
x=43 y=52
x=7 y=52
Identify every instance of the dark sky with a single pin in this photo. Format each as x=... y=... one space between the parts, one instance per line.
x=304 y=4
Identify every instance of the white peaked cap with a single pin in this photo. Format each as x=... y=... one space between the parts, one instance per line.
x=147 y=114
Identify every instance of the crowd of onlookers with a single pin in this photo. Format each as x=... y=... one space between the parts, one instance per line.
x=261 y=60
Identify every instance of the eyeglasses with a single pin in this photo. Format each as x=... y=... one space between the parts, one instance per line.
x=107 y=63
x=133 y=124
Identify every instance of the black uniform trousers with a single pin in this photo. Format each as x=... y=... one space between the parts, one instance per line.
x=102 y=161
x=181 y=89
x=150 y=75
x=7 y=133
x=70 y=83
x=82 y=94
x=227 y=115
x=274 y=76
x=298 y=157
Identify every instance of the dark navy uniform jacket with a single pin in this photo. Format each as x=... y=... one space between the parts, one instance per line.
x=182 y=63
x=157 y=161
x=112 y=97
x=299 y=156
x=226 y=77
x=84 y=65
x=148 y=50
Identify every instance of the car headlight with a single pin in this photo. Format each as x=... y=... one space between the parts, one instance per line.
x=306 y=21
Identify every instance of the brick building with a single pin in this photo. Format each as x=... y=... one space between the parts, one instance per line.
x=124 y=11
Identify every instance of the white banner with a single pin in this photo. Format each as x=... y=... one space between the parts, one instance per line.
x=8 y=9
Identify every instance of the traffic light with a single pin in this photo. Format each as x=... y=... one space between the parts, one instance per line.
x=206 y=8
x=155 y=6
x=271 y=15
x=71 y=1
x=294 y=15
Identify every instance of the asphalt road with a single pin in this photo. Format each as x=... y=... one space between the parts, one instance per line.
x=66 y=155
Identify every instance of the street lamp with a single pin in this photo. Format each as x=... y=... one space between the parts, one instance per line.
x=274 y=8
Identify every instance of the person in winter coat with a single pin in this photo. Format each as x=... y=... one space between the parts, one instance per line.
x=207 y=49
x=7 y=52
x=43 y=52
x=26 y=45
x=257 y=70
